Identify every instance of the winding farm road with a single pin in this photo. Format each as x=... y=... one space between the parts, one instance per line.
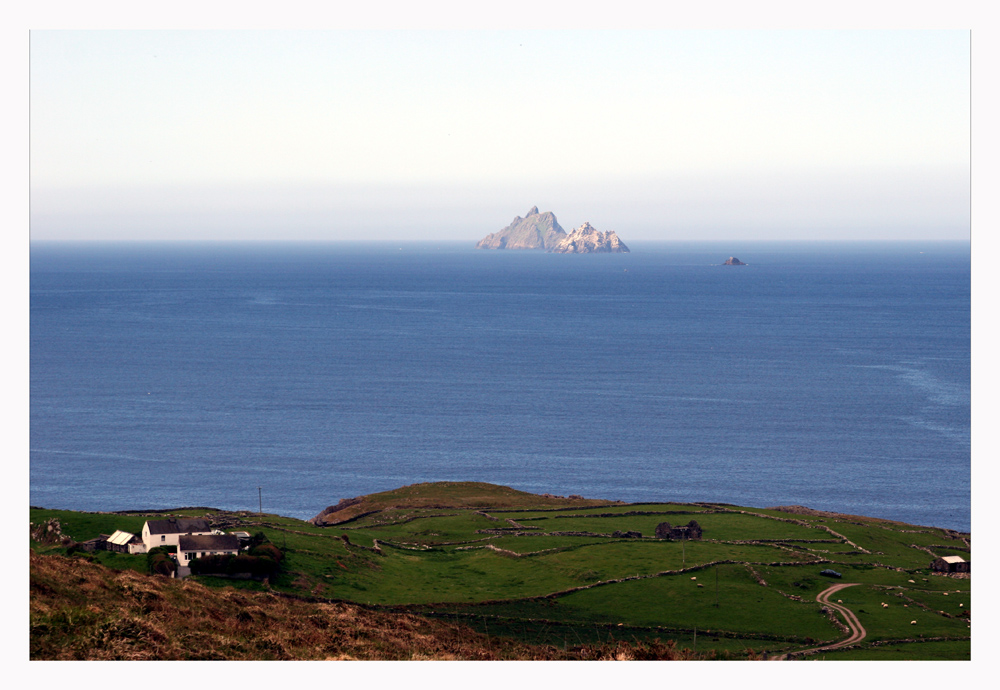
x=858 y=631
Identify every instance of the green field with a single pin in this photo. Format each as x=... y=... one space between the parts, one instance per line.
x=748 y=586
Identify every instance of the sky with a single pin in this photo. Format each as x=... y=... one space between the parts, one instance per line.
x=447 y=135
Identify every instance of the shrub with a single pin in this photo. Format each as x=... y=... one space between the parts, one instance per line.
x=161 y=564
x=255 y=565
x=268 y=551
x=218 y=563
x=168 y=548
x=78 y=551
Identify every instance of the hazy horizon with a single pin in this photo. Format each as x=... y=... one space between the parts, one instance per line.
x=447 y=135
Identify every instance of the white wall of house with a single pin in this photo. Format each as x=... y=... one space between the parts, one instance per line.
x=185 y=557
x=154 y=540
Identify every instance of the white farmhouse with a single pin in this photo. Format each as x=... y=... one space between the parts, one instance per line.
x=167 y=532
x=198 y=546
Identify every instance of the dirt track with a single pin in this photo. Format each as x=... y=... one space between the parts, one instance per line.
x=858 y=631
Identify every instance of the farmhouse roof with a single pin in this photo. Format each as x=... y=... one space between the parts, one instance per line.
x=178 y=526
x=953 y=559
x=121 y=538
x=208 y=542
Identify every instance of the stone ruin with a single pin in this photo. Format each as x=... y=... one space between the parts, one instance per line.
x=690 y=531
x=618 y=534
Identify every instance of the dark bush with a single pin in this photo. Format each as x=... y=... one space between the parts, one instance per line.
x=268 y=551
x=217 y=563
x=255 y=565
x=161 y=564
x=78 y=551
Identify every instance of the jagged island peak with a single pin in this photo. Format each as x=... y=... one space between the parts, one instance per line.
x=534 y=231
x=588 y=239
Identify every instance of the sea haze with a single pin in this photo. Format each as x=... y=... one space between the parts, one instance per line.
x=834 y=376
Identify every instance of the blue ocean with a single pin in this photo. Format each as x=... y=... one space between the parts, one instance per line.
x=834 y=376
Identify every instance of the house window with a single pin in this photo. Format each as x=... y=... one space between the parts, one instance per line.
x=163 y=537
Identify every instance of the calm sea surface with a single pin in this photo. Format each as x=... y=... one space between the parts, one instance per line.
x=834 y=376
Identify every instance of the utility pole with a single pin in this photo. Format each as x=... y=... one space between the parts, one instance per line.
x=260 y=502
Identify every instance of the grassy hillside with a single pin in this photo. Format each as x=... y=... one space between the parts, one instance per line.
x=473 y=495
x=544 y=570
x=82 y=610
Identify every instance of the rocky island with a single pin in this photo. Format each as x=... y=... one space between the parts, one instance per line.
x=588 y=239
x=542 y=231
x=534 y=231
x=733 y=261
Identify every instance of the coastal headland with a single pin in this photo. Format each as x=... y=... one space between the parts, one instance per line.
x=467 y=570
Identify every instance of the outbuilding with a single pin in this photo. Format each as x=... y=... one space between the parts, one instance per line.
x=951 y=564
x=244 y=537
x=124 y=542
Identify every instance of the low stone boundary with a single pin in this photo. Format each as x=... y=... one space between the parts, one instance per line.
x=911 y=640
x=835 y=619
x=951 y=548
x=779 y=541
x=667 y=573
x=846 y=540
x=877 y=643
x=402 y=547
x=628 y=513
x=793 y=521
x=753 y=573
x=804 y=523
x=508 y=553
x=927 y=608
x=348 y=544
x=614 y=627
x=511 y=532
x=398 y=521
x=924 y=548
